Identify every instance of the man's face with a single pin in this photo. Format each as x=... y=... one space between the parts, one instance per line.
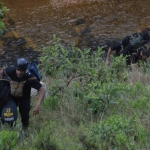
x=142 y=57
x=20 y=73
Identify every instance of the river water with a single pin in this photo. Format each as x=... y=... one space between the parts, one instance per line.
x=86 y=23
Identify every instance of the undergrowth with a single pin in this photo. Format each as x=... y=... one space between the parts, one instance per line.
x=88 y=106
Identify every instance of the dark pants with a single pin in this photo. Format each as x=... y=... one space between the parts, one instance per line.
x=24 y=109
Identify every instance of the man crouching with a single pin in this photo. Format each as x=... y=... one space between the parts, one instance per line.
x=21 y=83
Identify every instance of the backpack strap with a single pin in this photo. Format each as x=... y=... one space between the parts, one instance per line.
x=7 y=75
x=32 y=78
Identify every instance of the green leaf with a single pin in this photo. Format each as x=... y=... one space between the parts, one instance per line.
x=5 y=9
x=2 y=25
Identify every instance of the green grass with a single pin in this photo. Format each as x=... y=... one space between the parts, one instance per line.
x=89 y=106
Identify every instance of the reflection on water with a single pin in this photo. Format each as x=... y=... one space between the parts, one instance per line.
x=87 y=24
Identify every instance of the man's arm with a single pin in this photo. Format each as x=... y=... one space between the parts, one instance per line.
x=42 y=93
x=127 y=50
x=108 y=56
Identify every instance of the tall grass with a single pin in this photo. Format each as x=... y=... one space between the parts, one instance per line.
x=89 y=106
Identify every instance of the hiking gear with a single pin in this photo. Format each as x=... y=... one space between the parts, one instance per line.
x=21 y=64
x=17 y=87
x=9 y=112
x=33 y=69
x=145 y=51
x=136 y=40
x=4 y=92
x=145 y=36
x=125 y=41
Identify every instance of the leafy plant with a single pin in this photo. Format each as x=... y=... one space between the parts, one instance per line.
x=44 y=140
x=8 y=139
x=83 y=71
x=3 y=11
x=118 y=67
x=2 y=27
x=116 y=133
x=98 y=95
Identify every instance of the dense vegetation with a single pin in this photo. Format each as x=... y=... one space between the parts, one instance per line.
x=88 y=106
x=3 y=11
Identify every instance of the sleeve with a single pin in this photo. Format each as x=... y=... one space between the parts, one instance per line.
x=36 y=84
x=127 y=50
x=32 y=81
x=125 y=41
x=116 y=47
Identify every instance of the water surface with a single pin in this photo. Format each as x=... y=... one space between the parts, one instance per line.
x=83 y=22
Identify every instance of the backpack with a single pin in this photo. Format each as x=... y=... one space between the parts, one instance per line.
x=136 y=40
x=9 y=111
x=33 y=69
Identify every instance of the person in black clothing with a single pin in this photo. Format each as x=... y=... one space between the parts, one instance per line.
x=126 y=49
x=116 y=48
x=127 y=45
x=141 y=53
x=21 y=83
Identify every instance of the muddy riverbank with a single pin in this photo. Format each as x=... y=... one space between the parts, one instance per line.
x=87 y=24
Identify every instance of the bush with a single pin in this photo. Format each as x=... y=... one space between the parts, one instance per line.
x=44 y=140
x=8 y=139
x=82 y=72
x=3 y=11
x=116 y=133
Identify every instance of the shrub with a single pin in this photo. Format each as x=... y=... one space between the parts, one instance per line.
x=44 y=140
x=81 y=71
x=116 y=133
x=8 y=139
x=3 y=11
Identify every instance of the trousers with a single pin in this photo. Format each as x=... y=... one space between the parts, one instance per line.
x=24 y=109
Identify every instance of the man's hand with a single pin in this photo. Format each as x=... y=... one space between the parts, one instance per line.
x=41 y=97
x=107 y=61
x=36 y=110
